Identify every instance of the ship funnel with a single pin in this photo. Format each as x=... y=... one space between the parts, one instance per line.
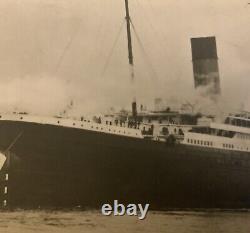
x=134 y=109
x=205 y=65
x=158 y=104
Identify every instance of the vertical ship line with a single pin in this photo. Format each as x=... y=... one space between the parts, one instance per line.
x=170 y=159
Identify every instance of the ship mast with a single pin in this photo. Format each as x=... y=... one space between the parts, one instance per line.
x=130 y=56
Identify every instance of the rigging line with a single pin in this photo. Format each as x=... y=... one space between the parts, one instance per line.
x=13 y=142
x=144 y=52
x=150 y=5
x=66 y=48
x=146 y=15
x=112 y=49
x=100 y=29
x=156 y=32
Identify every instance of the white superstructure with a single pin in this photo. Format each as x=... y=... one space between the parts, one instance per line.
x=225 y=136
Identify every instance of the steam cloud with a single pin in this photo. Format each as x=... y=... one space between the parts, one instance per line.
x=36 y=34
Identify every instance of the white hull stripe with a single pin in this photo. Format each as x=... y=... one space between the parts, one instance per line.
x=65 y=122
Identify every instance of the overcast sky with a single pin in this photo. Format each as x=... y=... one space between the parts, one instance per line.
x=52 y=51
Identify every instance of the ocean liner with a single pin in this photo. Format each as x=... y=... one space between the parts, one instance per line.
x=169 y=159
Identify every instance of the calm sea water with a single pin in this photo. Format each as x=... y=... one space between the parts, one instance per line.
x=94 y=222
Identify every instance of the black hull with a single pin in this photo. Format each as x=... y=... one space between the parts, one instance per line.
x=56 y=167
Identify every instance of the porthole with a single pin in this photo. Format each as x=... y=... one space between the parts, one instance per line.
x=58 y=122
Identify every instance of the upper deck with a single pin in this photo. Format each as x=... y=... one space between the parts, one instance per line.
x=232 y=128
x=73 y=123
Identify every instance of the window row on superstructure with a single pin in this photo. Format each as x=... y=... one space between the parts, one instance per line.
x=238 y=121
x=230 y=146
x=243 y=136
x=217 y=143
x=199 y=142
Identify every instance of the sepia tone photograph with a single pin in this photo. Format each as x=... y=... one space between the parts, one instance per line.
x=124 y=116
